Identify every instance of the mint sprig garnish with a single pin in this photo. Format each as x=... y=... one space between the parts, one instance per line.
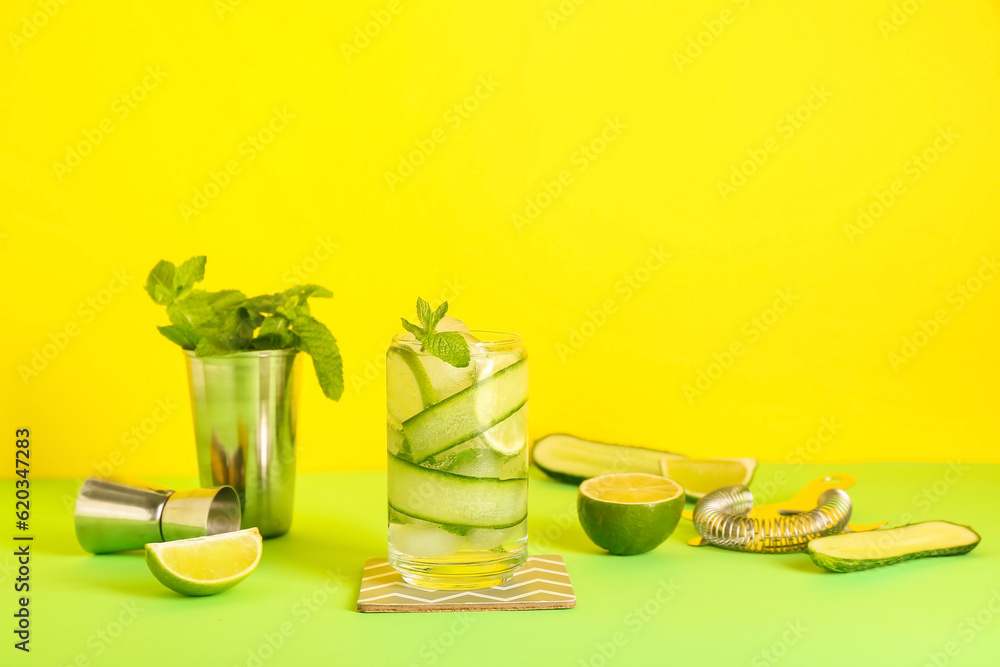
x=216 y=324
x=448 y=346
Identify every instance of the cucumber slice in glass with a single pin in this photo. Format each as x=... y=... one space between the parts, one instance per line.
x=475 y=458
x=468 y=413
x=443 y=497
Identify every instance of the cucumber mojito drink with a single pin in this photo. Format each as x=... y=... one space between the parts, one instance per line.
x=457 y=458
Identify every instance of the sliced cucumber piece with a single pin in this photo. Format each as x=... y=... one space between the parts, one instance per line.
x=850 y=552
x=570 y=459
x=474 y=458
x=468 y=413
x=442 y=497
x=408 y=388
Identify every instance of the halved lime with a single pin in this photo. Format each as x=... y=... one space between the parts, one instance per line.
x=701 y=476
x=205 y=565
x=630 y=513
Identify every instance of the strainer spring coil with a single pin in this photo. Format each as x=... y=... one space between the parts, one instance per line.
x=720 y=518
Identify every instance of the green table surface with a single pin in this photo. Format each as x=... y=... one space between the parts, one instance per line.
x=675 y=605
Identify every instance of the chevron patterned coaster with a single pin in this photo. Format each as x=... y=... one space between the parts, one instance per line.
x=541 y=583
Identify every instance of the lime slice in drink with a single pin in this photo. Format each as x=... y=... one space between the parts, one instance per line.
x=510 y=436
x=408 y=389
x=701 y=476
x=205 y=565
x=630 y=513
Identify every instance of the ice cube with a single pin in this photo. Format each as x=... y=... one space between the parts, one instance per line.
x=445 y=378
x=449 y=323
x=421 y=539
x=492 y=539
x=496 y=360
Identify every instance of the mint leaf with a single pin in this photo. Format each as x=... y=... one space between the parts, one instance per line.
x=216 y=324
x=449 y=346
x=183 y=335
x=199 y=308
x=276 y=341
x=304 y=291
x=233 y=332
x=160 y=283
x=265 y=303
x=195 y=310
x=276 y=324
x=190 y=272
x=425 y=316
x=273 y=334
x=236 y=330
x=456 y=529
x=441 y=311
x=291 y=303
x=413 y=328
x=167 y=282
x=317 y=341
x=211 y=347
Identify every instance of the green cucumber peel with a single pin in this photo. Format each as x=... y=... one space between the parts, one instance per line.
x=446 y=498
x=853 y=552
x=459 y=529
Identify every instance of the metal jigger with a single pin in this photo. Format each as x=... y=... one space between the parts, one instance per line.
x=121 y=515
x=200 y=512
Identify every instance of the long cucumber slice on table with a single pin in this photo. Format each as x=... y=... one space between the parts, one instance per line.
x=850 y=552
x=570 y=459
x=442 y=497
x=468 y=413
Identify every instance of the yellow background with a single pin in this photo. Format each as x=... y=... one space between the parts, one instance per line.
x=562 y=75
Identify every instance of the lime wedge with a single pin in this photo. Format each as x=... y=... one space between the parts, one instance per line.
x=205 y=565
x=630 y=513
x=701 y=476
